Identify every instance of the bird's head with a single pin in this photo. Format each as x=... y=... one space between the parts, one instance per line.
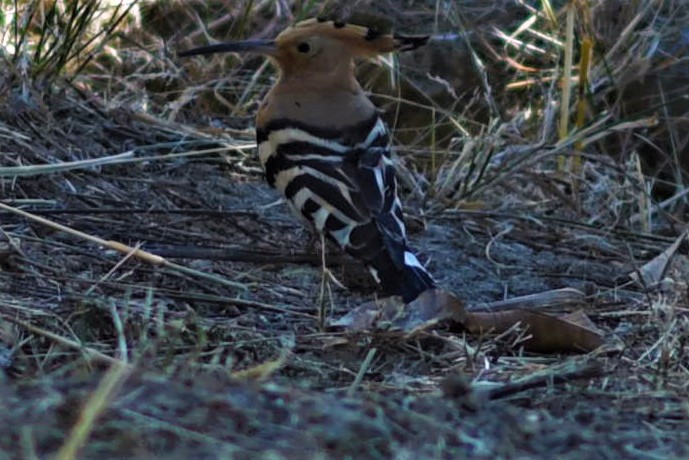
x=319 y=47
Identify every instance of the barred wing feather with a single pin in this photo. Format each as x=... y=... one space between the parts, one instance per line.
x=343 y=182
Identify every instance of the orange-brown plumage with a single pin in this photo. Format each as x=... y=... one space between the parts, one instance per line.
x=325 y=148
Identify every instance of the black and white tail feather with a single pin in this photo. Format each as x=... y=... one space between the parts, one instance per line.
x=342 y=181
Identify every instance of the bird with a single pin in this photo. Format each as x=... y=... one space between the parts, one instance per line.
x=324 y=146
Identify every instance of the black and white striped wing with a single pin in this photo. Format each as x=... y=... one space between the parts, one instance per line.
x=343 y=182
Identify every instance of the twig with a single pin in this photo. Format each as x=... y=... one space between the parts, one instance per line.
x=90 y=352
x=557 y=297
x=588 y=370
x=125 y=157
x=563 y=127
x=245 y=254
x=362 y=371
x=124 y=249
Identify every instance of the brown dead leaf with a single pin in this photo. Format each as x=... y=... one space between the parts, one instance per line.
x=572 y=332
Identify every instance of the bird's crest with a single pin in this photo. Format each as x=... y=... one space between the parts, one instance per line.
x=368 y=40
x=300 y=39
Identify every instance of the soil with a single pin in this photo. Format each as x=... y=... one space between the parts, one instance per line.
x=185 y=405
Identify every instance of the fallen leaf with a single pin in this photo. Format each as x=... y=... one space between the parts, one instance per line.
x=571 y=332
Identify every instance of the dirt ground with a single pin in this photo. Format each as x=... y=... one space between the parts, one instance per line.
x=183 y=404
x=229 y=346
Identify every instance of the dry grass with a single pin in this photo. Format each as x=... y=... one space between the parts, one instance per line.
x=541 y=146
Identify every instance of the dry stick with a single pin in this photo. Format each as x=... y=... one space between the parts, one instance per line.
x=563 y=127
x=35 y=170
x=584 y=65
x=263 y=370
x=549 y=12
x=244 y=254
x=123 y=248
x=90 y=352
x=153 y=259
x=577 y=161
x=111 y=271
x=588 y=370
x=362 y=371
x=125 y=157
x=538 y=301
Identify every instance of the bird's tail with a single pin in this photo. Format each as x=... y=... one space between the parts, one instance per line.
x=408 y=280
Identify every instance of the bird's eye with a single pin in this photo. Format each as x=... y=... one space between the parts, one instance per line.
x=303 y=47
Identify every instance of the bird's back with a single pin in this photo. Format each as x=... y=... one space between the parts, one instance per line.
x=330 y=157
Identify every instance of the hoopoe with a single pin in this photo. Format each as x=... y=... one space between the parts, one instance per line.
x=324 y=146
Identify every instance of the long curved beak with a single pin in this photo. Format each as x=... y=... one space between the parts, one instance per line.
x=247 y=46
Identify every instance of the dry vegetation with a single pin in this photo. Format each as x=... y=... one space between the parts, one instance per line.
x=156 y=301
